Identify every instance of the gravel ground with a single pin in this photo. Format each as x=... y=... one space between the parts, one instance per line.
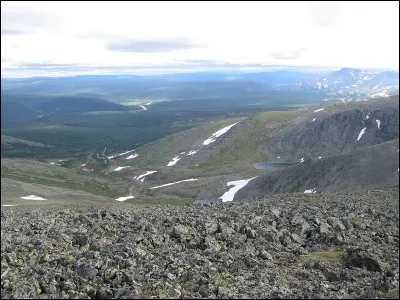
x=280 y=246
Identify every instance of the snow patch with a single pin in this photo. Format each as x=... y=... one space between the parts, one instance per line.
x=121 y=199
x=182 y=153
x=7 y=205
x=120 y=168
x=132 y=156
x=378 y=122
x=314 y=119
x=83 y=165
x=172 y=183
x=32 y=197
x=301 y=159
x=144 y=175
x=381 y=94
x=237 y=185
x=367 y=116
x=120 y=154
x=192 y=152
x=319 y=157
x=319 y=109
x=220 y=132
x=143 y=107
x=375 y=87
x=312 y=191
x=361 y=133
x=173 y=161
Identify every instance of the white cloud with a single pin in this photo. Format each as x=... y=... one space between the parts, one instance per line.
x=335 y=34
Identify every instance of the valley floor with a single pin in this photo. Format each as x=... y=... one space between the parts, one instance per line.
x=342 y=245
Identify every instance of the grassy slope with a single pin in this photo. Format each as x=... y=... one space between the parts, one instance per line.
x=43 y=173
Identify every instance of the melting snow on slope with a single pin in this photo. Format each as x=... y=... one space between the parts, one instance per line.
x=168 y=184
x=33 y=197
x=121 y=199
x=120 y=154
x=319 y=157
x=301 y=159
x=220 y=132
x=314 y=119
x=381 y=94
x=132 y=156
x=310 y=191
x=6 y=205
x=173 y=161
x=237 y=185
x=378 y=122
x=192 y=152
x=367 y=117
x=120 y=168
x=375 y=87
x=361 y=133
x=143 y=107
x=144 y=175
x=319 y=109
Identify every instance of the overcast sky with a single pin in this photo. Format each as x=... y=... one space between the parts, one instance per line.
x=39 y=38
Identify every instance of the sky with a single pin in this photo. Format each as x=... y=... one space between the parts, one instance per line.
x=69 y=38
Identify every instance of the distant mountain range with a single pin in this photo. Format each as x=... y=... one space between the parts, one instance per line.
x=357 y=82
x=344 y=84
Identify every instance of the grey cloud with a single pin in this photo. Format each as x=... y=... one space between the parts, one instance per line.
x=47 y=65
x=326 y=13
x=97 y=35
x=13 y=31
x=150 y=45
x=288 y=55
x=5 y=58
x=213 y=63
x=23 y=22
x=179 y=66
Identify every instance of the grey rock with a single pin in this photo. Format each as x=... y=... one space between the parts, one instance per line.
x=357 y=257
x=336 y=224
x=276 y=212
x=211 y=227
x=296 y=238
x=251 y=233
x=265 y=255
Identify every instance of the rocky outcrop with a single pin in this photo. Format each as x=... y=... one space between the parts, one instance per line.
x=280 y=246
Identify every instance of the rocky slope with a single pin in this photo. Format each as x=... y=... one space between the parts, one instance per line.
x=280 y=246
x=333 y=129
x=368 y=167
